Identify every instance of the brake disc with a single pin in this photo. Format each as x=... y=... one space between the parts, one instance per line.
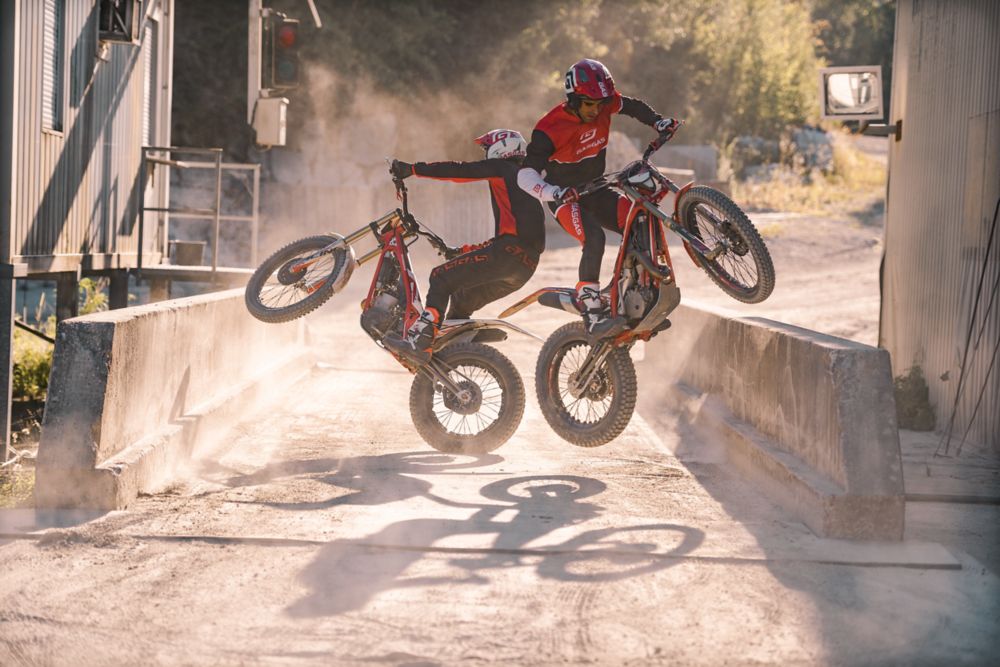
x=466 y=401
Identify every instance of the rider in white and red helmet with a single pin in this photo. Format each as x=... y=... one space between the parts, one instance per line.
x=568 y=146
x=503 y=144
x=485 y=272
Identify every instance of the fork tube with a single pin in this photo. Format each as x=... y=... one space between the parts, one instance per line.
x=436 y=370
x=592 y=364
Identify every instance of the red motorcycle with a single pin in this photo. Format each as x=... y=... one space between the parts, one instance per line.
x=469 y=398
x=587 y=387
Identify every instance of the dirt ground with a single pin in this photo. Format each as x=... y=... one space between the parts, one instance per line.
x=323 y=531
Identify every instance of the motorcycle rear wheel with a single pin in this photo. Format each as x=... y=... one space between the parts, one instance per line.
x=481 y=424
x=602 y=413
x=744 y=271
x=275 y=293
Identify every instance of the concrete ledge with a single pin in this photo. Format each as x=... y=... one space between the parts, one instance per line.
x=133 y=393
x=809 y=417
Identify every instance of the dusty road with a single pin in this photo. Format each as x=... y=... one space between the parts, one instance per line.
x=325 y=532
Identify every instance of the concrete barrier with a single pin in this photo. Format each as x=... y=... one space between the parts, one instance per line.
x=810 y=417
x=134 y=392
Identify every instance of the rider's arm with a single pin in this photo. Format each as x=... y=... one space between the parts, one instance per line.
x=457 y=171
x=639 y=110
x=532 y=182
x=530 y=177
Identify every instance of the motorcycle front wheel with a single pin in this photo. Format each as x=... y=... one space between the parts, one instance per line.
x=601 y=411
x=299 y=278
x=744 y=269
x=485 y=414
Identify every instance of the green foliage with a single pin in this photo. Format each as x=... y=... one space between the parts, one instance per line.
x=856 y=32
x=32 y=363
x=731 y=67
x=913 y=407
x=92 y=295
x=33 y=356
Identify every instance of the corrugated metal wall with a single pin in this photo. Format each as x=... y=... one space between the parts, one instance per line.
x=76 y=192
x=944 y=185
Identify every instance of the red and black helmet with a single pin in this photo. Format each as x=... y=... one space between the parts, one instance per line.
x=588 y=78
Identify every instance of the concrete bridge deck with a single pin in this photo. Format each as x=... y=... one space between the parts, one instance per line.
x=325 y=532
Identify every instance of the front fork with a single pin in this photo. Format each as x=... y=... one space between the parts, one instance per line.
x=591 y=365
x=440 y=373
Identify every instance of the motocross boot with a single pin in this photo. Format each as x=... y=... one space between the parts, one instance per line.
x=415 y=346
x=596 y=315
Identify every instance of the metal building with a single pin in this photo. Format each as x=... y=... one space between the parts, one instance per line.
x=84 y=84
x=941 y=271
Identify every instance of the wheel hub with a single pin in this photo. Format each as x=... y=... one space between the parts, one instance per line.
x=597 y=390
x=286 y=276
x=736 y=242
x=466 y=401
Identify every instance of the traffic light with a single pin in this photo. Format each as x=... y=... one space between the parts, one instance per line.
x=281 y=71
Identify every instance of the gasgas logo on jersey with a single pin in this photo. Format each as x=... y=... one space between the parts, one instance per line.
x=589 y=142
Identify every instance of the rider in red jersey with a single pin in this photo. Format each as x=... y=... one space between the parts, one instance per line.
x=487 y=271
x=568 y=148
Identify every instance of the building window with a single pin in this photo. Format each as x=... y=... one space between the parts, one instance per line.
x=53 y=63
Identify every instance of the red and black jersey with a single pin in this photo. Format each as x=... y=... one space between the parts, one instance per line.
x=571 y=152
x=515 y=212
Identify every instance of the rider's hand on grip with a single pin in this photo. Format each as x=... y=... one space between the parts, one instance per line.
x=400 y=169
x=450 y=252
x=568 y=196
x=666 y=127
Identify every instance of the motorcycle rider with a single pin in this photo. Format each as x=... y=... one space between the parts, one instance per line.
x=487 y=271
x=568 y=147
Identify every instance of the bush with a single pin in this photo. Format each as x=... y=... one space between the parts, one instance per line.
x=32 y=363
x=913 y=407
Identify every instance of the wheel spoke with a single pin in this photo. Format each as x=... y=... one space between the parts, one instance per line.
x=491 y=399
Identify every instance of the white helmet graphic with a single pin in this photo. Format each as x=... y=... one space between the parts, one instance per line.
x=503 y=144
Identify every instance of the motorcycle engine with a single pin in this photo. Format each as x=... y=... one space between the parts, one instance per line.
x=637 y=301
x=382 y=316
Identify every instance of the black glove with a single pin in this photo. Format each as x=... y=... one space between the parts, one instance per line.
x=666 y=127
x=451 y=252
x=401 y=170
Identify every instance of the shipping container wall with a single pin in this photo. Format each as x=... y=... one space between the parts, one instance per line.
x=81 y=112
x=940 y=303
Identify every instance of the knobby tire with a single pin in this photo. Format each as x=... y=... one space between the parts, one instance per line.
x=619 y=373
x=302 y=302
x=500 y=370
x=722 y=269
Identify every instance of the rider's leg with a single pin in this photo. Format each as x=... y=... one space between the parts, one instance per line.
x=415 y=345
x=509 y=268
x=586 y=220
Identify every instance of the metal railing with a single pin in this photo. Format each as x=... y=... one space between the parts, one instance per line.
x=165 y=158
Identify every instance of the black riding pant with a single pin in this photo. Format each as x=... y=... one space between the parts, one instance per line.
x=475 y=278
x=586 y=221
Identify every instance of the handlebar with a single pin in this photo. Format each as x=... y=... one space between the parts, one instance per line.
x=414 y=227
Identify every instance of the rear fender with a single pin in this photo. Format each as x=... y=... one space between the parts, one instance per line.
x=677 y=218
x=560 y=298
x=461 y=331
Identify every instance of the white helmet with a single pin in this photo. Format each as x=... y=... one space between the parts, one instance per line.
x=503 y=144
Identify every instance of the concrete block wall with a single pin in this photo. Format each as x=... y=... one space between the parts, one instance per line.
x=133 y=392
x=811 y=417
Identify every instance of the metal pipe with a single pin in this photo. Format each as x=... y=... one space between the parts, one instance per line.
x=651 y=268
x=142 y=213
x=255 y=226
x=218 y=210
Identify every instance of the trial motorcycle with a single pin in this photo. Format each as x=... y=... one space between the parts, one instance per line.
x=586 y=387
x=468 y=398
